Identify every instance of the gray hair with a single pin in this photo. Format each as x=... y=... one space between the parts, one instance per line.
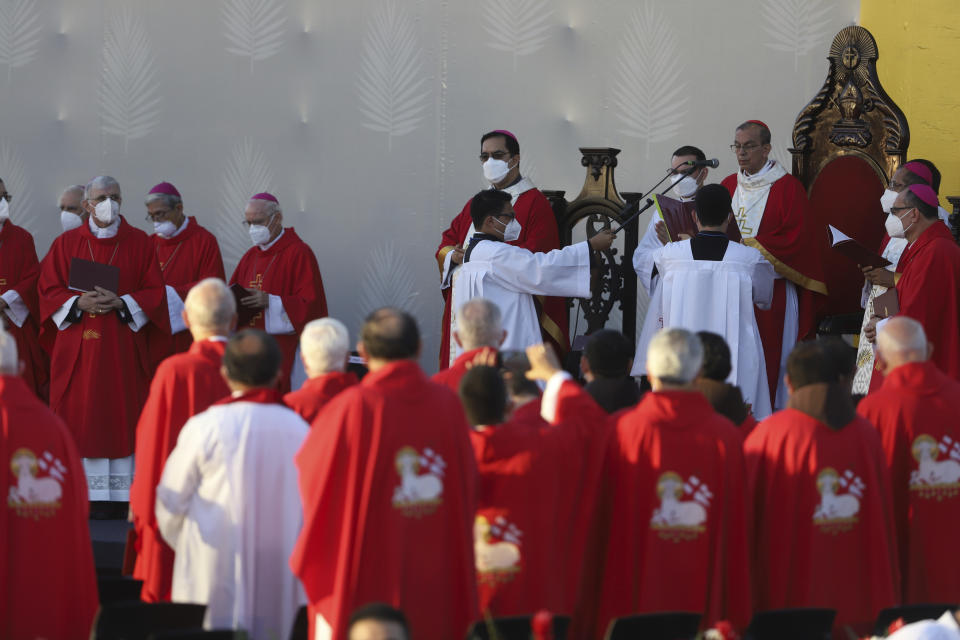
x=479 y=324
x=9 y=359
x=902 y=338
x=100 y=182
x=74 y=188
x=675 y=356
x=210 y=305
x=324 y=345
x=169 y=200
x=269 y=206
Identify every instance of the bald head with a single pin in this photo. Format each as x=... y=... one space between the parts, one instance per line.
x=902 y=340
x=210 y=309
x=9 y=359
x=479 y=324
x=324 y=346
x=389 y=334
x=251 y=360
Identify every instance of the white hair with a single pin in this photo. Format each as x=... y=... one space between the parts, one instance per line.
x=902 y=339
x=169 y=200
x=100 y=182
x=9 y=359
x=674 y=356
x=210 y=305
x=479 y=324
x=269 y=207
x=324 y=345
x=74 y=188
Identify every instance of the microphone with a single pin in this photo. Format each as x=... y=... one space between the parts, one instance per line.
x=713 y=163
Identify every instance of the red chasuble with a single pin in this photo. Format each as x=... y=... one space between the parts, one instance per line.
x=915 y=411
x=822 y=518
x=184 y=385
x=793 y=243
x=451 y=376
x=287 y=269
x=186 y=259
x=316 y=392
x=100 y=367
x=676 y=512
x=389 y=485
x=48 y=587
x=538 y=233
x=19 y=270
x=929 y=292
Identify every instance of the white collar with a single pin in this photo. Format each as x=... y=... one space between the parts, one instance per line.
x=106 y=232
x=186 y=221
x=264 y=247
x=216 y=338
x=518 y=188
x=762 y=171
x=770 y=173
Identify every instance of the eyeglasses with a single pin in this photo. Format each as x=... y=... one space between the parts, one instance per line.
x=265 y=222
x=159 y=215
x=894 y=210
x=496 y=155
x=6 y=196
x=750 y=146
x=100 y=199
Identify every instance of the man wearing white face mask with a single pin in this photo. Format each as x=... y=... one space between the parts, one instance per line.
x=187 y=253
x=72 y=214
x=100 y=364
x=500 y=158
x=19 y=271
x=282 y=279
x=510 y=276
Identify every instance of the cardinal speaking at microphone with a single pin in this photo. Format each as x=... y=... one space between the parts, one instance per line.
x=100 y=363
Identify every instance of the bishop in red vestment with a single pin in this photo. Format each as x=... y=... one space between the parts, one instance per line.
x=282 y=278
x=187 y=253
x=185 y=384
x=500 y=154
x=672 y=517
x=49 y=587
x=823 y=532
x=324 y=349
x=100 y=363
x=389 y=485
x=19 y=270
x=772 y=212
x=915 y=410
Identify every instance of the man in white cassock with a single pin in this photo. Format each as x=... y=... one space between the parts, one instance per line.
x=228 y=502
x=510 y=276
x=711 y=284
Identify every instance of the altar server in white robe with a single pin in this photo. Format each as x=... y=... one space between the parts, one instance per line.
x=708 y=283
x=228 y=502
x=510 y=276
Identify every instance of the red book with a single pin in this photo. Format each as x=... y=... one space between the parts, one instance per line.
x=844 y=244
x=680 y=218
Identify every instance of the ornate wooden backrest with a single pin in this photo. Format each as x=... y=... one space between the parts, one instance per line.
x=600 y=204
x=847 y=143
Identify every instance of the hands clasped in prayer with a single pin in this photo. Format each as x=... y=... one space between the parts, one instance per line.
x=99 y=301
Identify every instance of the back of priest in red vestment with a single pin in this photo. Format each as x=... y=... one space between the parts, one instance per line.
x=49 y=588
x=389 y=485
x=184 y=385
x=823 y=531
x=915 y=410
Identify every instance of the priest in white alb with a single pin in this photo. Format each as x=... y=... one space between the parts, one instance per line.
x=709 y=283
x=228 y=502
x=510 y=276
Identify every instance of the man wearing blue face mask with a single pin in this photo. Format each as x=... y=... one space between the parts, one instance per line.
x=282 y=279
x=500 y=162
x=187 y=253
x=511 y=276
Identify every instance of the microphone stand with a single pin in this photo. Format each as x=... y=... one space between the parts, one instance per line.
x=649 y=202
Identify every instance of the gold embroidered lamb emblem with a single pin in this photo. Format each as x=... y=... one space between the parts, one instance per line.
x=35 y=496
x=419 y=494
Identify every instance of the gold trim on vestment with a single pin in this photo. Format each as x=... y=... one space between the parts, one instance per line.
x=442 y=255
x=896 y=277
x=551 y=327
x=787 y=271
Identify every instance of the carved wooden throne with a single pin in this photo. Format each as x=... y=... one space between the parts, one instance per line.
x=847 y=143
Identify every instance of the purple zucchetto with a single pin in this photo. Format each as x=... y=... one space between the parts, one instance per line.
x=926 y=193
x=920 y=170
x=266 y=196
x=165 y=188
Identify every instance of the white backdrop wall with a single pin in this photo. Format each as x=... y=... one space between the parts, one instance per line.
x=364 y=117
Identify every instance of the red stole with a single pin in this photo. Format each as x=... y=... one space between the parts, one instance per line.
x=184 y=385
x=316 y=392
x=287 y=269
x=100 y=354
x=49 y=586
x=389 y=462
x=19 y=271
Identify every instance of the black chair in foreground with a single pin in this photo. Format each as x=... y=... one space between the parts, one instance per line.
x=199 y=634
x=516 y=628
x=137 y=620
x=791 y=624
x=671 y=625
x=909 y=613
x=113 y=589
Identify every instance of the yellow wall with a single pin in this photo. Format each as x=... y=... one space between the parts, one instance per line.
x=919 y=67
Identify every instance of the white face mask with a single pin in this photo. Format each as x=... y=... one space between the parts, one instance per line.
x=887 y=200
x=260 y=233
x=164 y=229
x=107 y=211
x=495 y=170
x=894 y=226
x=69 y=221
x=511 y=230
x=684 y=186
x=4 y=209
